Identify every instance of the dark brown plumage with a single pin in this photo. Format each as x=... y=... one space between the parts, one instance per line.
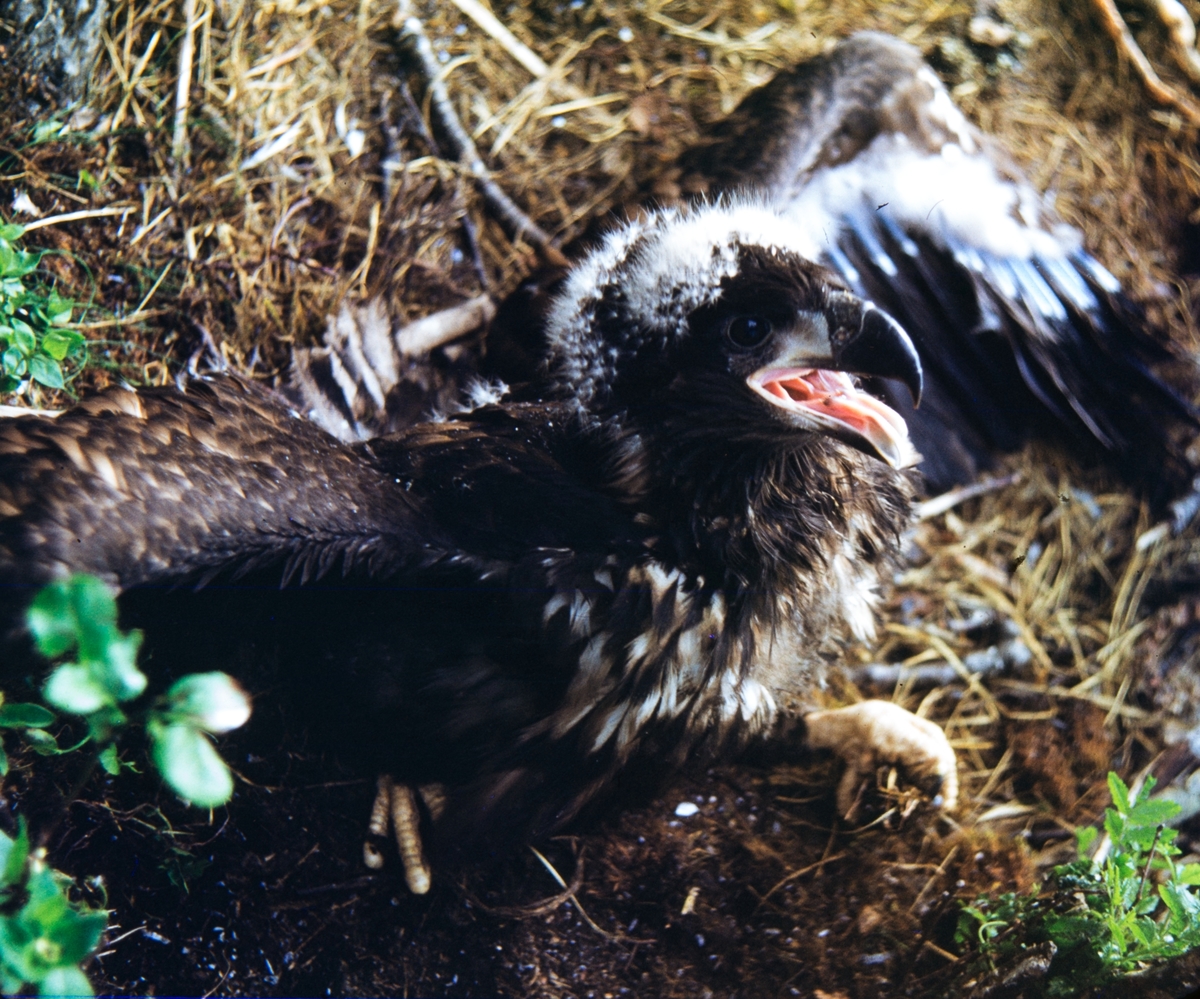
x=515 y=604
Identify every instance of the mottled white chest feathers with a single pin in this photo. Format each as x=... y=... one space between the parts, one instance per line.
x=667 y=670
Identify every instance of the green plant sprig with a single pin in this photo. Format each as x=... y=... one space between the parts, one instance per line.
x=79 y=616
x=1136 y=906
x=43 y=934
x=34 y=340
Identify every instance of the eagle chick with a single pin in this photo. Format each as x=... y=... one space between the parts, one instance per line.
x=659 y=558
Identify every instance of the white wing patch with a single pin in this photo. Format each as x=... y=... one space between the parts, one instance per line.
x=955 y=195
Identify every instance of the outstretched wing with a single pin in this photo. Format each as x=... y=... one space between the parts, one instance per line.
x=1019 y=329
x=161 y=487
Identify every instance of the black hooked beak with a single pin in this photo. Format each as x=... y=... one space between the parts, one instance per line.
x=865 y=340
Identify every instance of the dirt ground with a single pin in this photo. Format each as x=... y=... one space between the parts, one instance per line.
x=761 y=891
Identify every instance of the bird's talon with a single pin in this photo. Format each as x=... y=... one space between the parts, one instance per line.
x=396 y=805
x=876 y=732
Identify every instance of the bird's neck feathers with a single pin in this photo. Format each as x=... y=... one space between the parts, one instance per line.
x=763 y=516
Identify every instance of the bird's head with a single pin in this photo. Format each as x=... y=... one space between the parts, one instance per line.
x=715 y=321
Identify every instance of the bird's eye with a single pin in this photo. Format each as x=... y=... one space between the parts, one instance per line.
x=748 y=331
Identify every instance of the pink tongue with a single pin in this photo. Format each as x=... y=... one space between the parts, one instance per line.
x=834 y=394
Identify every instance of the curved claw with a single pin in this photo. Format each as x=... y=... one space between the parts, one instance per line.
x=874 y=732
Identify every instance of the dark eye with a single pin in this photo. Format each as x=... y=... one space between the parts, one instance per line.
x=748 y=331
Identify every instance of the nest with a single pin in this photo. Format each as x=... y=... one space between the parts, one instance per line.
x=300 y=171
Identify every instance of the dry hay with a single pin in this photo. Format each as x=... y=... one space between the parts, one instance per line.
x=310 y=177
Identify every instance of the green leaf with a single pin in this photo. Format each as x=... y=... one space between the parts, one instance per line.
x=59 y=311
x=45 y=131
x=1141 y=932
x=1155 y=812
x=25 y=716
x=3 y=761
x=7 y=843
x=10 y=981
x=110 y=761
x=14 y=362
x=47 y=904
x=1114 y=825
x=13 y=854
x=1085 y=836
x=65 y=982
x=1189 y=874
x=41 y=742
x=77 y=933
x=210 y=701
x=23 y=337
x=73 y=688
x=56 y=345
x=119 y=672
x=190 y=764
x=10 y=231
x=51 y=620
x=1171 y=897
x=16 y=944
x=1119 y=791
x=46 y=369
x=95 y=614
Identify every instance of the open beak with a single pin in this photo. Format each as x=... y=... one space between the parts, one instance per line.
x=811 y=378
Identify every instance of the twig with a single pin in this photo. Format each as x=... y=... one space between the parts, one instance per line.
x=1149 y=859
x=570 y=892
x=1126 y=45
x=516 y=220
x=483 y=17
x=187 y=52
x=91 y=213
x=414 y=115
x=150 y=294
x=125 y=935
x=274 y=62
x=799 y=872
x=133 y=80
x=949 y=500
x=143 y=230
x=941 y=870
x=372 y=238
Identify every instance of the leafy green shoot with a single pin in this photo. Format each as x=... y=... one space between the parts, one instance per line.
x=77 y=617
x=1109 y=917
x=43 y=934
x=35 y=338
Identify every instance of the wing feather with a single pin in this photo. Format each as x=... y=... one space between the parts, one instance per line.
x=1021 y=330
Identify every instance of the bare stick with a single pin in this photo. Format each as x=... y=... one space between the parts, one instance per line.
x=187 y=53
x=478 y=13
x=414 y=115
x=90 y=213
x=949 y=500
x=1126 y=45
x=520 y=224
x=423 y=335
